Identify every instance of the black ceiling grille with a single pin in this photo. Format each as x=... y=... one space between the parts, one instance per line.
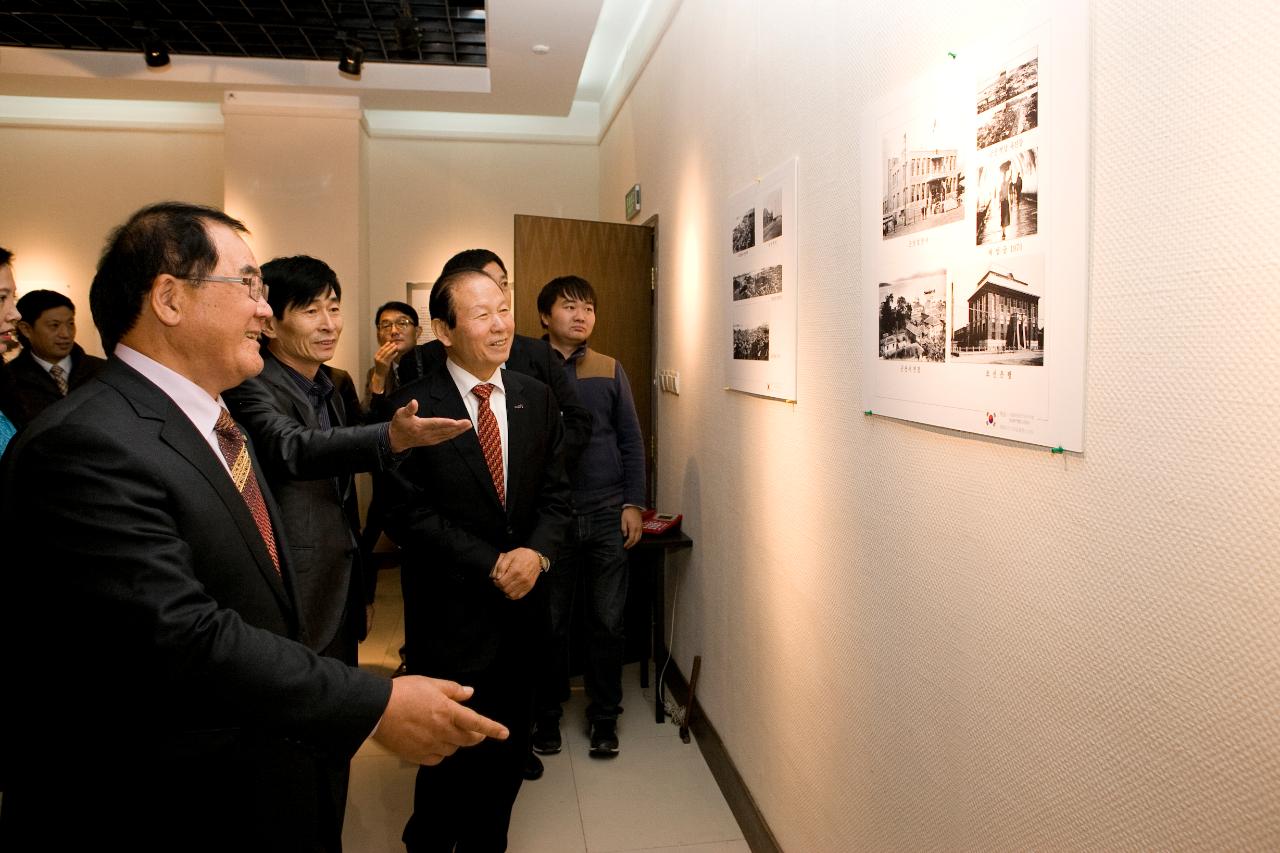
x=400 y=31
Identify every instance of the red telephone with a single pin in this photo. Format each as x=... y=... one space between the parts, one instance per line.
x=656 y=523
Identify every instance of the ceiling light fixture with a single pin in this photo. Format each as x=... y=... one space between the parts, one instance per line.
x=352 y=57
x=541 y=49
x=154 y=51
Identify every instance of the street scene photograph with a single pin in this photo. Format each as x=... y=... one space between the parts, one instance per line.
x=923 y=178
x=1008 y=198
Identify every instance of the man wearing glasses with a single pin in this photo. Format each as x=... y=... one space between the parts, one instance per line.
x=397 y=327
x=193 y=719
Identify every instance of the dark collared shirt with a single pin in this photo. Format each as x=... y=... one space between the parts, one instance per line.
x=319 y=391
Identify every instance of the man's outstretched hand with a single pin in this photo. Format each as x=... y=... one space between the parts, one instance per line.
x=424 y=723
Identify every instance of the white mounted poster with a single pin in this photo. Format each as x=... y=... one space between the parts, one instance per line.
x=760 y=286
x=975 y=236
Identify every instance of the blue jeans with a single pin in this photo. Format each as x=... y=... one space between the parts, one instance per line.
x=592 y=550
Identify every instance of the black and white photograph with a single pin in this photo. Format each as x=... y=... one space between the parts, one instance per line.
x=751 y=344
x=1020 y=75
x=955 y=319
x=913 y=317
x=771 y=216
x=998 y=317
x=1008 y=198
x=1015 y=117
x=744 y=233
x=923 y=179
x=759 y=283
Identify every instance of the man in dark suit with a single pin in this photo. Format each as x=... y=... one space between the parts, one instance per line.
x=51 y=363
x=479 y=518
x=304 y=420
x=192 y=720
x=530 y=356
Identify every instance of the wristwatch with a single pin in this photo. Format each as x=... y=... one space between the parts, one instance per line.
x=544 y=561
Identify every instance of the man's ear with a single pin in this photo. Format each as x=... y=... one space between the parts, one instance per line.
x=166 y=299
x=25 y=328
x=443 y=332
x=269 y=327
x=545 y=319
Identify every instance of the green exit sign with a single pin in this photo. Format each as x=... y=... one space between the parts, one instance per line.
x=633 y=201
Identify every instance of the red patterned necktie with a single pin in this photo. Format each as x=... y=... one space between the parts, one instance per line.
x=232 y=444
x=490 y=439
x=59 y=378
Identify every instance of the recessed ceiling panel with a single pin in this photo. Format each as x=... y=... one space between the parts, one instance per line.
x=414 y=32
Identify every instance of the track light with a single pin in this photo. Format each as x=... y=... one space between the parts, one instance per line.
x=352 y=58
x=154 y=51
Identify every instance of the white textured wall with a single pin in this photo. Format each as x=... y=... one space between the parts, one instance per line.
x=913 y=639
x=63 y=189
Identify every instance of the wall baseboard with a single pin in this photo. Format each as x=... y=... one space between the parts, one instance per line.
x=754 y=828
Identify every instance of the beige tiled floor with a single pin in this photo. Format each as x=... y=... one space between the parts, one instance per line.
x=657 y=794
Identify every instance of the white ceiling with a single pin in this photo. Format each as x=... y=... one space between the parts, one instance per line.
x=597 y=47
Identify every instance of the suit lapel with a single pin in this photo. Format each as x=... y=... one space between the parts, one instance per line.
x=275 y=373
x=180 y=434
x=518 y=433
x=446 y=402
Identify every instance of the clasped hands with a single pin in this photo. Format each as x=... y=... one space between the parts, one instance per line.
x=516 y=572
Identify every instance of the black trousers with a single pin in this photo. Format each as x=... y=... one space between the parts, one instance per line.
x=466 y=800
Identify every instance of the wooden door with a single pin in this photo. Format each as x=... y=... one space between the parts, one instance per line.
x=618 y=261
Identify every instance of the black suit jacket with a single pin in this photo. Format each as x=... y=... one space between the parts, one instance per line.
x=531 y=357
x=443 y=510
x=37 y=388
x=310 y=472
x=169 y=707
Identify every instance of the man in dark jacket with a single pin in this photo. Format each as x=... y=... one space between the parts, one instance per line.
x=51 y=363
x=306 y=423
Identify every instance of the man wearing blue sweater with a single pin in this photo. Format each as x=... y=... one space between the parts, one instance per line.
x=608 y=494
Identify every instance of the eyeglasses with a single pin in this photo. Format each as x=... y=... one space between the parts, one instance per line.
x=257 y=288
x=403 y=323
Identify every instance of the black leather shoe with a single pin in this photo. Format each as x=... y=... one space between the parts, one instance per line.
x=546 y=737
x=533 y=767
x=604 y=738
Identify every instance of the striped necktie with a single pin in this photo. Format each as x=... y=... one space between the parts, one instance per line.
x=60 y=378
x=232 y=444
x=490 y=439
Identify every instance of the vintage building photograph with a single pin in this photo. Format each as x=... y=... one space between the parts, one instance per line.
x=1001 y=321
x=913 y=314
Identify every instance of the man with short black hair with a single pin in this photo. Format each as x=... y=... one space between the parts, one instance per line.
x=608 y=496
x=304 y=419
x=478 y=518
x=530 y=356
x=51 y=363
x=192 y=719
x=396 y=324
